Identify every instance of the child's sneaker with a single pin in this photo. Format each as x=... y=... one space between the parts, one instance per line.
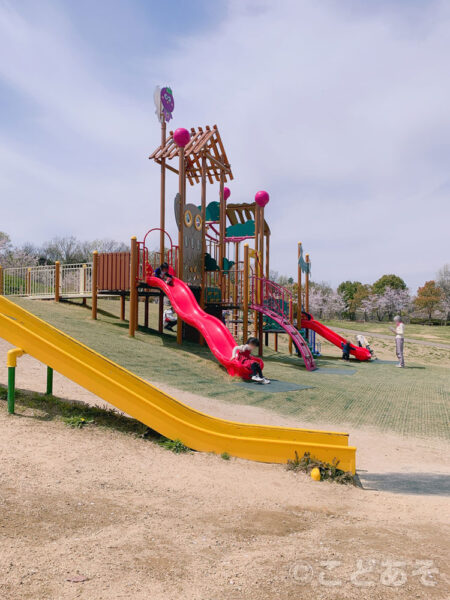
x=265 y=380
x=257 y=378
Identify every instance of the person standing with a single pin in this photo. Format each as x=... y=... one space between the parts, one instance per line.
x=399 y=340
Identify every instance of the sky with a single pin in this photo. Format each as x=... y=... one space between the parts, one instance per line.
x=339 y=109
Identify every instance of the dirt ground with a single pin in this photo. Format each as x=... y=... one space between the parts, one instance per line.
x=98 y=514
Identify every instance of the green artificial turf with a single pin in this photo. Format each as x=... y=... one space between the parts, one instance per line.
x=411 y=401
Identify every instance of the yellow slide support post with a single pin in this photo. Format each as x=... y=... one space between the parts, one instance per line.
x=163 y=413
x=11 y=363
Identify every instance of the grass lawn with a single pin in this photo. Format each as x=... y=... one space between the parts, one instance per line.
x=413 y=401
x=425 y=333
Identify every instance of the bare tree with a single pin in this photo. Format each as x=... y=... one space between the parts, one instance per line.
x=443 y=281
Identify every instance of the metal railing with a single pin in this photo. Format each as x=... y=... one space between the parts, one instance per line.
x=39 y=281
x=271 y=295
x=76 y=280
x=148 y=258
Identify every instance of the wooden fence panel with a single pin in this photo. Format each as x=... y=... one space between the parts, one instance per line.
x=114 y=271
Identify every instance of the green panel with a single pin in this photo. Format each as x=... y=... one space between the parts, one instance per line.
x=212 y=211
x=227 y=264
x=213 y=294
x=246 y=229
x=210 y=263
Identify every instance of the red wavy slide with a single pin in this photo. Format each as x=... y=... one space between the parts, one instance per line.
x=308 y=322
x=216 y=333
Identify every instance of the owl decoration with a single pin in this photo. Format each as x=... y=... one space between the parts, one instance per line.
x=192 y=240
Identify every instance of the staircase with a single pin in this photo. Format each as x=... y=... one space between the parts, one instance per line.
x=271 y=299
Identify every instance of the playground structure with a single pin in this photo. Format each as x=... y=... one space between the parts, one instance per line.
x=216 y=274
x=153 y=407
x=219 y=265
x=221 y=260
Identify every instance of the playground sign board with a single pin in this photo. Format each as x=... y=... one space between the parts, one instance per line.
x=164 y=103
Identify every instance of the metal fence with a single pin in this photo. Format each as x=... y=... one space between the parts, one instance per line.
x=75 y=280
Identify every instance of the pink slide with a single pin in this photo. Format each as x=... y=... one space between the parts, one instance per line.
x=216 y=334
x=308 y=322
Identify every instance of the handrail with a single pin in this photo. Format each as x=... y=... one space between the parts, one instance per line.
x=157 y=229
x=265 y=292
x=143 y=262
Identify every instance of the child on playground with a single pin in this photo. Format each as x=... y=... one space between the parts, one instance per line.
x=346 y=350
x=363 y=343
x=244 y=355
x=170 y=319
x=163 y=273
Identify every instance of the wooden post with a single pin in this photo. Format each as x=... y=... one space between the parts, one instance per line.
x=261 y=275
x=222 y=227
x=146 y=311
x=160 y=313
x=246 y=276
x=182 y=192
x=236 y=286
x=94 y=283
x=57 y=280
x=307 y=286
x=203 y=209
x=299 y=286
x=1 y=280
x=276 y=342
x=256 y=274
x=307 y=294
x=122 y=307
x=256 y=227
x=162 y=206
x=261 y=239
x=267 y=256
x=132 y=323
x=162 y=221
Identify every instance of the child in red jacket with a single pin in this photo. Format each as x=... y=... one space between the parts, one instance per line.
x=244 y=356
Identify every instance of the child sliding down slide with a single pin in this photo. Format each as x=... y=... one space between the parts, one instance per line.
x=163 y=273
x=244 y=355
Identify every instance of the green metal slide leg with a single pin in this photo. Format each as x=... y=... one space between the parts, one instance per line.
x=11 y=389
x=49 y=391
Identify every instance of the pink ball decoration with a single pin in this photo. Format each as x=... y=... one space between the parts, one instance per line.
x=181 y=137
x=226 y=193
x=261 y=198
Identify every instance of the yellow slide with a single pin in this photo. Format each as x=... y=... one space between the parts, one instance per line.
x=158 y=410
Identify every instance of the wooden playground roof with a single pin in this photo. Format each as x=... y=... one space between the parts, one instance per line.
x=204 y=142
x=240 y=213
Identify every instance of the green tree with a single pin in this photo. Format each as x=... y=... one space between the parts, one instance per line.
x=347 y=291
x=362 y=292
x=429 y=298
x=388 y=281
